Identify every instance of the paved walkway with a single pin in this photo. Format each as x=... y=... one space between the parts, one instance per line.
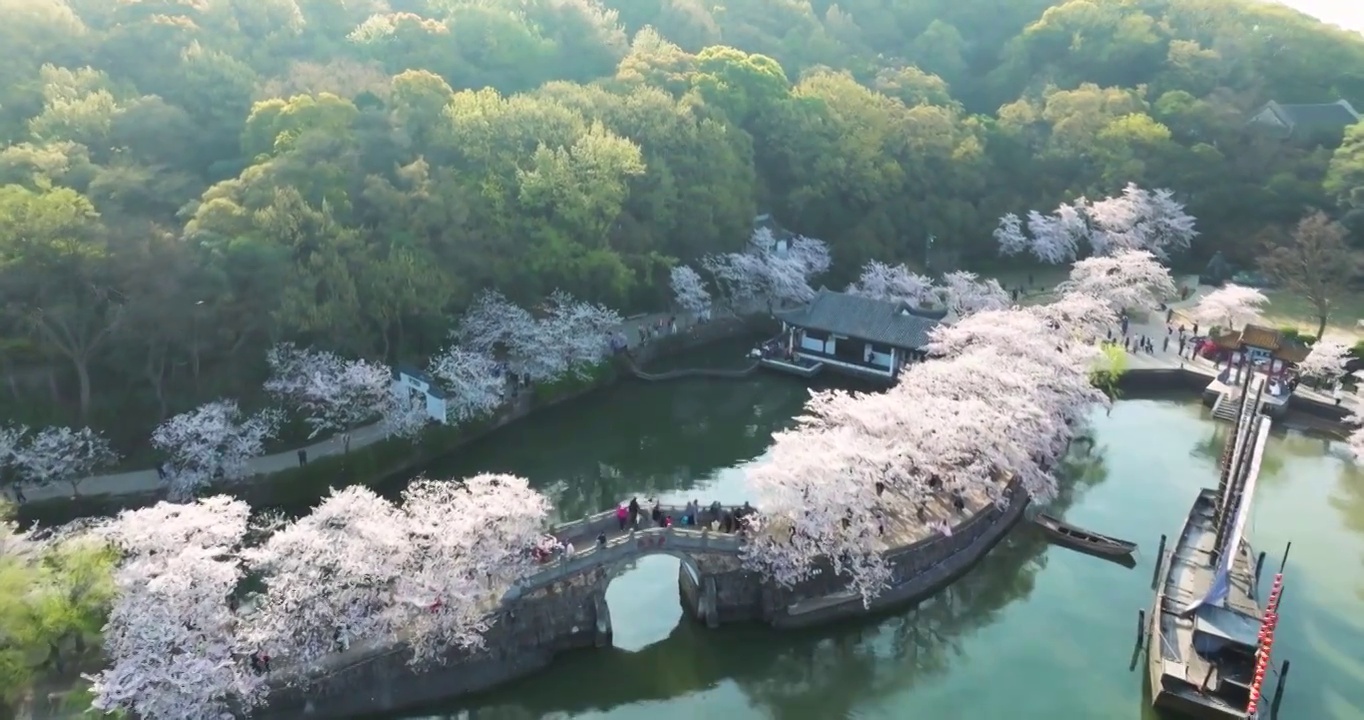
x=1156 y=329
x=138 y=482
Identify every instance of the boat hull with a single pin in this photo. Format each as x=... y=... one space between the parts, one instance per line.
x=1171 y=692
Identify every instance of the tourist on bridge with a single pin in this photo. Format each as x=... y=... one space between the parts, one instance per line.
x=634 y=513
x=657 y=514
x=622 y=515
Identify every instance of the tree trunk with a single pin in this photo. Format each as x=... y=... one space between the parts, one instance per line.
x=156 y=375
x=1321 y=325
x=83 y=376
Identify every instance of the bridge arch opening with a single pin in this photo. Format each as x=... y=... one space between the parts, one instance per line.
x=644 y=599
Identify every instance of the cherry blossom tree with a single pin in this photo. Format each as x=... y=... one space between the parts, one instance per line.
x=330 y=577
x=1010 y=235
x=213 y=441
x=689 y=290
x=579 y=331
x=894 y=282
x=964 y=293
x=468 y=543
x=473 y=383
x=61 y=455
x=1230 y=306
x=492 y=324
x=769 y=271
x=335 y=395
x=1326 y=361
x=999 y=401
x=172 y=640
x=1137 y=219
x=1126 y=280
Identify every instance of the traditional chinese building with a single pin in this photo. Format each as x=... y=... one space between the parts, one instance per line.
x=1258 y=349
x=856 y=335
x=409 y=379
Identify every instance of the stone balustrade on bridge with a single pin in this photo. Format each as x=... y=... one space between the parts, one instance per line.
x=627 y=547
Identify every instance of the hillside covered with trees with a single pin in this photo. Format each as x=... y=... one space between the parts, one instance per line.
x=185 y=184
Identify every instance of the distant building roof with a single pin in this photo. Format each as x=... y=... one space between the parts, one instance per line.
x=1306 y=118
x=1264 y=338
x=879 y=321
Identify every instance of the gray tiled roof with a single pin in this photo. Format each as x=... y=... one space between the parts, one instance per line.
x=864 y=318
x=1315 y=116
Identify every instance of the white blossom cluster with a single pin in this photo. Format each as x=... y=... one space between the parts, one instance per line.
x=775 y=273
x=184 y=630
x=998 y=402
x=1137 y=219
x=51 y=455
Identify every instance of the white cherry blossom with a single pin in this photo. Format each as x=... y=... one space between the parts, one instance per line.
x=334 y=394
x=769 y=272
x=58 y=455
x=213 y=441
x=473 y=383
x=689 y=290
x=330 y=577
x=894 y=282
x=1326 y=361
x=964 y=293
x=1230 y=307
x=1126 y=280
x=468 y=542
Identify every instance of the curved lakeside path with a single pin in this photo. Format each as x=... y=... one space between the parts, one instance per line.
x=139 y=482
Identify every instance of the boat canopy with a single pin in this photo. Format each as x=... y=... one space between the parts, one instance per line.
x=1226 y=559
x=1227 y=625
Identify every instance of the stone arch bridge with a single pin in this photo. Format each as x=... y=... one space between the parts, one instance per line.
x=562 y=608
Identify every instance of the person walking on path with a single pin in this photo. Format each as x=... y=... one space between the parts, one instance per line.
x=302 y=457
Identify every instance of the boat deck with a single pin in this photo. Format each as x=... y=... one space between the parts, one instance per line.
x=1189 y=578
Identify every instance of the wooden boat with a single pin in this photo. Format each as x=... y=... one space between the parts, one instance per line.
x=1206 y=618
x=1085 y=541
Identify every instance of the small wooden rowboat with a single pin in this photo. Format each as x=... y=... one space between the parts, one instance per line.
x=1085 y=541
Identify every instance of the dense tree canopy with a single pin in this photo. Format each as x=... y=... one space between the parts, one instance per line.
x=184 y=185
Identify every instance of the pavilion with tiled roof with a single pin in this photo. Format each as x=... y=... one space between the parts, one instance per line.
x=1263 y=344
x=860 y=335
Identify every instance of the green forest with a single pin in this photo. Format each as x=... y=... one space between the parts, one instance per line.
x=184 y=183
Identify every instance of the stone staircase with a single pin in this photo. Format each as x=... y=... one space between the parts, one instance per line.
x=1226 y=408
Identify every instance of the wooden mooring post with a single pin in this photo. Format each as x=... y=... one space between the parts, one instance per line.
x=1259 y=565
x=1284 y=562
x=1160 y=560
x=1278 y=689
x=1141 y=624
